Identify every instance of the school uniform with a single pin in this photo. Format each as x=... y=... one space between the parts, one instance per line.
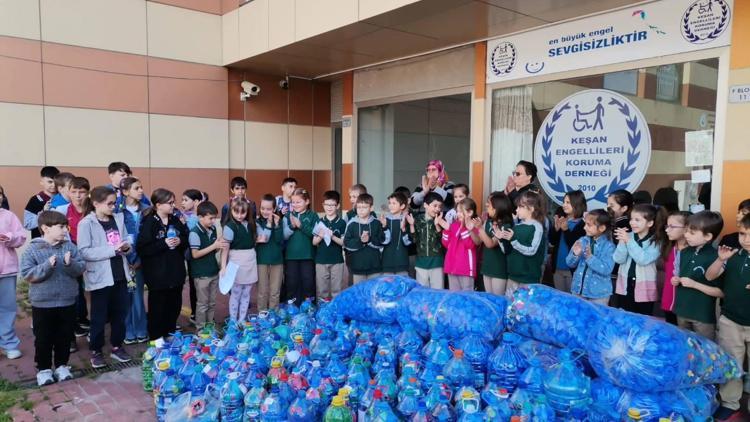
x=329 y=261
x=299 y=270
x=430 y=253
x=270 y=257
x=205 y=273
x=526 y=256
x=364 y=258
x=695 y=310
x=395 y=247
x=241 y=238
x=494 y=267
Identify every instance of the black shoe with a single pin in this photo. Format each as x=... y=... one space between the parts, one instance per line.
x=97 y=360
x=192 y=319
x=85 y=324
x=73 y=347
x=79 y=331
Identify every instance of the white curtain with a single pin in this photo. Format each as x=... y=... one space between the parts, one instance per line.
x=512 y=133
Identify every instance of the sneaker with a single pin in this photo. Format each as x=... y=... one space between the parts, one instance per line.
x=97 y=360
x=178 y=327
x=192 y=319
x=142 y=339
x=62 y=373
x=73 y=346
x=44 y=377
x=725 y=414
x=79 y=331
x=13 y=353
x=119 y=354
x=130 y=341
x=85 y=324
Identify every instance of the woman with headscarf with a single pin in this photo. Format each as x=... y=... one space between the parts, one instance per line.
x=435 y=180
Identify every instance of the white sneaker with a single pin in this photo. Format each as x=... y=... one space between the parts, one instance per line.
x=44 y=377
x=62 y=373
x=13 y=354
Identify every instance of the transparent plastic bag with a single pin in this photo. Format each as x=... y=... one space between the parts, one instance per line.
x=553 y=317
x=374 y=300
x=644 y=354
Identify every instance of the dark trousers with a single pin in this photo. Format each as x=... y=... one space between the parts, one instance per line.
x=108 y=304
x=164 y=307
x=628 y=303
x=299 y=280
x=82 y=312
x=53 y=332
x=193 y=294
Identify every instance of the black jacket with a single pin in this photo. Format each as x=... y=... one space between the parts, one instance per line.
x=163 y=268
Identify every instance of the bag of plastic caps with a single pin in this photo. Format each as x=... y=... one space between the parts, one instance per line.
x=644 y=354
x=453 y=315
x=374 y=300
x=552 y=316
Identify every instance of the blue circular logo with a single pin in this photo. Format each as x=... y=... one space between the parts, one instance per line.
x=705 y=20
x=503 y=58
x=596 y=141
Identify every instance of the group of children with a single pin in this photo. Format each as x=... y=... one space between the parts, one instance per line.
x=111 y=241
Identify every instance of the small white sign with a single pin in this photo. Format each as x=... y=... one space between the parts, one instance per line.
x=700 y=176
x=699 y=148
x=739 y=94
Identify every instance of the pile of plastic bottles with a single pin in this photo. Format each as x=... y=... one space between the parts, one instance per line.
x=313 y=363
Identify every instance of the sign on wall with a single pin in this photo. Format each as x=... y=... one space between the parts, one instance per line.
x=596 y=141
x=647 y=30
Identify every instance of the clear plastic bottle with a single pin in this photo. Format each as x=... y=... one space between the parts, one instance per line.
x=272 y=409
x=147 y=367
x=169 y=389
x=506 y=362
x=232 y=398
x=337 y=411
x=443 y=411
x=301 y=410
x=458 y=371
x=566 y=386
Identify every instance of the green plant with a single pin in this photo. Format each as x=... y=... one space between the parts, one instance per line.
x=10 y=395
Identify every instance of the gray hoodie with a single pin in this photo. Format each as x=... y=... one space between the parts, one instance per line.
x=51 y=287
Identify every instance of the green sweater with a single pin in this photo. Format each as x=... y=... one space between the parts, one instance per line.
x=527 y=254
x=331 y=254
x=364 y=258
x=299 y=240
x=692 y=303
x=495 y=260
x=734 y=281
x=396 y=250
x=205 y=266
x=271 y=252
x=430 y=253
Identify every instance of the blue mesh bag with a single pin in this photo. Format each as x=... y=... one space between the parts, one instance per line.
x=373 y=300
x=552 y=316
x=644 y=354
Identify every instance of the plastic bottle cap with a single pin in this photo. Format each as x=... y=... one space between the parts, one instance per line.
x=275 y=364
x=467 y=394
x=338 y=401
x=377 y=394
x=412 y=380
x=344 y=392
x=634 y=413
x=515 y=419
x=664 y=420
x=458 y=354
x=163 y=365
x=371 y=382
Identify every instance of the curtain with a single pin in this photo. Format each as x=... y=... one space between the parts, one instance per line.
x=512 y=133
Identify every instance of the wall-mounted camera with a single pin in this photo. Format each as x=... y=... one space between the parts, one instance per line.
x=249 y=89
x=284 y=83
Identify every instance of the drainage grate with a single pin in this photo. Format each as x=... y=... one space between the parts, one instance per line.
x=87 y=372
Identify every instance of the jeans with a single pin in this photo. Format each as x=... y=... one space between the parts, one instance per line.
x=53 y=332
x=135 y=322
x=8 y=338
x=108 y=304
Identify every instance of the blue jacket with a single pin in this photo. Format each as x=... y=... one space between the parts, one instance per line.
x=593 y=275
x=133 y=225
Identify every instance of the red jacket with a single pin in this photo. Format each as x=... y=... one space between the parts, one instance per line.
x=461 y=252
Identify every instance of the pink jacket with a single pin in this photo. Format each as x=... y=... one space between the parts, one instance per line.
x=461 y=252
x=668 y=291
x=11 y=228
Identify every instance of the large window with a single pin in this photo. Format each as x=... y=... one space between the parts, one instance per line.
x=678 y=102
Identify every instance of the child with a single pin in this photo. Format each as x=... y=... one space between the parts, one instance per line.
x=204 y=268
x=299 y=267
x=460 y=242
x=40 y=201
x=78 y=192
x=591 y=257
x=240 y=233
x=732 y=240
x=568 y=229
x=284 y=201
x=103 y=244
x=62 y=184
x=731 y=269
x=527 y=240
x=161 y=246
x=460 y=192
x=637 y=253
x=676 y=226
x=354 y=193
x=190 y=200
x=619 y=205
x=425 y=229
x=329 y=259
x=494 y=267
x=136 y=323
x=397 y=241
x=270 y=253
x=238 y=189
x=51 y=265
x=695 y=298
x=116 y=171
x=363 y=240
x=12 y=236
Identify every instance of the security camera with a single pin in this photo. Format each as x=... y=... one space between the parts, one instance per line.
x=249 y=89
x=284 y=83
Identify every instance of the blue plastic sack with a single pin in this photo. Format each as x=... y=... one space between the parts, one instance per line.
x=453 y=315
x=553 y=317
x=644 y=354
x=373 y=300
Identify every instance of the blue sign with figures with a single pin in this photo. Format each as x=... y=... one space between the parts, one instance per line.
x=705 y=20
x=596 y=141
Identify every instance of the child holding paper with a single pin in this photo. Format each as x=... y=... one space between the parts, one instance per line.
x=328 y=236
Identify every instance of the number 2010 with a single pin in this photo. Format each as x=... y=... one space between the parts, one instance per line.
x=587 y=188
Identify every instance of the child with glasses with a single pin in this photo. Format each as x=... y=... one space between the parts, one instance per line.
x=329 y=257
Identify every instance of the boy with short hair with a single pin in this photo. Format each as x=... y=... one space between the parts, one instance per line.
x=204 y=268
x=363 y=239
x=732 y=239
x=238 y=189
x=117 y=170
x=40 y=201
x=695 y=298
x=51 y=265
x=425 y=229
x=329 y=258
x=397 y=240
x=62 y=183
x=284 y=201
x=354 y=193
x=731 y=270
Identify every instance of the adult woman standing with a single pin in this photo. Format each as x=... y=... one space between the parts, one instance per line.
x=435 y=180
x=521 y=180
